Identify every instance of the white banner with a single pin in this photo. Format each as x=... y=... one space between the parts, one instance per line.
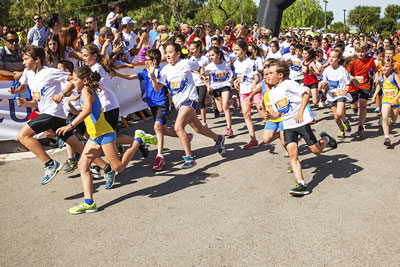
x=12 y=117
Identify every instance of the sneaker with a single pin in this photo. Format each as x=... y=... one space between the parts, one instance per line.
x=321 y=104
x=146 y=138
x=228 y=132
x=61 y=143
x=377 y=110
x=235 y=104
x=83 y=207
x=355 y=111
x=252 y=144
x=96 y=172
x=205 y=124
x=313 y=121
x=387 y=142
x=110 y=179
x=390 y=121
x=380 y=121
x=70 y=166
x=286 y=155
x=50 y=172
x=144 y=150
x=347 y=127
x=159 y=163
x=299 y=190
x=332 y=142
x=341 y=136
x=189 y=162
x=190 y=137
x=360 y=130
x=220 y=145
x=289 y=168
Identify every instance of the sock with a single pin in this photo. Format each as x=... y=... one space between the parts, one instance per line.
x=71 y=159
x=160 y=155
x=77 y=155
x=49 y=163
x=107 y=168
x=89 y=201
x=139 y=140
x=386 y=136
x=302 y=182
x=53 y=141
x=327 y=138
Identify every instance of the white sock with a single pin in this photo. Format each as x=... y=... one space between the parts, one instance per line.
x=386 y=136
x=327 y=138
x=302 y=182
x=160 y=155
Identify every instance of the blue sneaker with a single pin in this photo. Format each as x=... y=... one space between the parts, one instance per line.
x=220 y=145
x=61 y=143
x=110 y=179
x=51 y=172
x=189 y=162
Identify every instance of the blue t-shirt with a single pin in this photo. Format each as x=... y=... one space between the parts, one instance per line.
x=153 y=98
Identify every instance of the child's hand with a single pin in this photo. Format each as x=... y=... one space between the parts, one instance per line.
x=57 y=98
x=392 y=102
x=266 y=115
x=112 y=73
x=21 y=101
x=374 y=97
x=11 y=91
x=299 y=117
x=236 y=85
x=355 y=82
x=324 y=84
x=63 y=130
x=151 y=68
x=251 y=98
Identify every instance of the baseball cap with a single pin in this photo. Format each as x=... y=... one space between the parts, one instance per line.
x=127 y=20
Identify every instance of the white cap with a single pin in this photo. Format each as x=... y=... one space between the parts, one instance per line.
x=127 y=20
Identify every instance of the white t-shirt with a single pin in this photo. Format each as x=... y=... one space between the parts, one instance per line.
x=76 y=103
x=203 y=61
x=99 y=45
x=287 y=99
x=219 y=75
x=348 y=51
x=45 y=84
x=295 y=69
x=179 y=81
x=264 y=47
x=108 y=99
x=276 y=55
x=110 y=16
x=337 y=79
x=245 y=71
x=130 y=42
x=288 y=56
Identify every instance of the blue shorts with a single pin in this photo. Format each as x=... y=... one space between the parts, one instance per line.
x=394 y=106
x=104 y=139
x=273 y=126
x=190 y=103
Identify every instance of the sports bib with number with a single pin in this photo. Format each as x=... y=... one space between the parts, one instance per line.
x=360 y=79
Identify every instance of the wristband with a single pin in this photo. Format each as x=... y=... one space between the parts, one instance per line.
x=153 y=76
x=70 y=124
x=64 y=93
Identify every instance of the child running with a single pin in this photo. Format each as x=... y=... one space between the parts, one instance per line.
x=337 y=80
x=310 y=71
x=102 y=136
x=220 y=76
x=177 y=77
x=389 y=83
x=289 y=101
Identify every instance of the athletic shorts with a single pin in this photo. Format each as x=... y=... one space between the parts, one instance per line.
x=45 y=122
x=300 y=81
x=273 y=126
x=218 y=92
x=104 y=139
x=190 y=103
x=394 y=106
x=159 y=114
x=112 y=117
x=292 y=135
x=359 y=94
x=257 y=99
x=80 y=128
x=333 y=103
x=312 y=86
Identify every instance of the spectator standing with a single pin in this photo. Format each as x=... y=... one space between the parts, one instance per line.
x=112 y=17
x=55 y=23
x=154 y=33
x=38 y=34
x=91 y=22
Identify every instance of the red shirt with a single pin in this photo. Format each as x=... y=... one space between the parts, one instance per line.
x=359 y=70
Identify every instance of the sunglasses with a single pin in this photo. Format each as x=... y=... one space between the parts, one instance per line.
x=12 y=40
x=89 y=22
x=35 y=19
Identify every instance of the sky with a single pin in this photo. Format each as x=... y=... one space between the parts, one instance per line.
x=337 y=6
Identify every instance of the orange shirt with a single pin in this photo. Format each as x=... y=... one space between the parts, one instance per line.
x=359 y=70
x=396 y=60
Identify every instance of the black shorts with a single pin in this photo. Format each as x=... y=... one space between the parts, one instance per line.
x=80 y=128
x=359 y=94
x=159 y=114
x=112 y=117
x=300 y=81
x=333 y=103
x=218 y=92
x=312 y=86
x=44 y=122
x=292 y=135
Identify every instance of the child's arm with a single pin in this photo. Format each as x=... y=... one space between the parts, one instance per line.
x=396 y=98
x=67 y=91
x=377 y=89
x=72 y=109
x=256 y=80
x=20 y=89
x=126 y=76
x=256 y=91
x=299 y=116
x=314 y=69
x=29 y=104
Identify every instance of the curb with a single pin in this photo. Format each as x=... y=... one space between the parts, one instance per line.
x=26 y=155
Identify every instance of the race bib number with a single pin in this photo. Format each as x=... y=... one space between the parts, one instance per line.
x=334 y=93
x=221 y=75
x=282 y=103
x=175 y=85
x=269 y=107
x=390 y=92
x=360 y=79
x=240 y=78
x=36 y=95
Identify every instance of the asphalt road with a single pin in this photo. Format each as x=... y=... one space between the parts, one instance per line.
x=233 y=211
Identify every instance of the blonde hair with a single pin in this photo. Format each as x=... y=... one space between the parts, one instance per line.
x=361 y=46
x=281 y=67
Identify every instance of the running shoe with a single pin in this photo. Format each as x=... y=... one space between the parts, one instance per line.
x=299 y=190
x=377 y=110
x=159 y=163
x=313 y=121
x=341 y=136
x=110 y=179
x=83 y=208
x=347 y=127
x=355 y=111
x=286 y=155
x=332 y=142
x=96 y=172
x=144 y=150
x=61 y=143
x=205 y=124
x=228 y=132
x=289 y=168
x=387 y=142
x=70 y=166
x=146 y=138
x=380 y=121
x=252 y=144
x=50 y=172
x=360 y=130
x=189 y=162
x=321 y=104
x=235 y=104
x=390 y=121
x=220 y=145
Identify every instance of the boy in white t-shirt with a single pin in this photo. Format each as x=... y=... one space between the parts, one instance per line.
x=289 y=102
x=112 y=17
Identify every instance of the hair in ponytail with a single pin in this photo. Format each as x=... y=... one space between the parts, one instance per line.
x=104 y=61
x=92 y=78
x=217 y=51
x=243 y=45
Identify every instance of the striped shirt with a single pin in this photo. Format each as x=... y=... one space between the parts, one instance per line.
x=10 y=62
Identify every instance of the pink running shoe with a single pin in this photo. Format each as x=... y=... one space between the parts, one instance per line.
x=229 y=132
x=159 y=163
x=252 y=144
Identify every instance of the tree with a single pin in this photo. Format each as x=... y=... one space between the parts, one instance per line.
x=385 y=24
x=303 y=13
x=4 y=11
x=392 y=12
x=337 y=27
x=364 y=17
x=329 y=17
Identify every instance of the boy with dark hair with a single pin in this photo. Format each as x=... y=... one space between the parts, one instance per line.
x=112 y=17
